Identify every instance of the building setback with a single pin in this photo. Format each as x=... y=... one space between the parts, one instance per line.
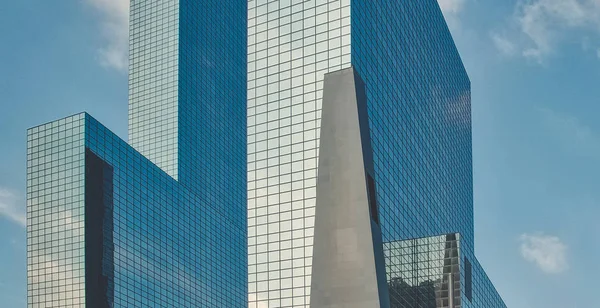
x=419 y=116
x=161 y=221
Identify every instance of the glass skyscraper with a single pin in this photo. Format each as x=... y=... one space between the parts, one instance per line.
x=159 y=222
x=419 y=110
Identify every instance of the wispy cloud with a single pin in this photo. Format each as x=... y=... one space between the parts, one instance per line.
x=504 y=45
x=451 y=6
x=11 y=208
x=114 y=25
x=572 y=132
x=547 y=252
x=539 y=26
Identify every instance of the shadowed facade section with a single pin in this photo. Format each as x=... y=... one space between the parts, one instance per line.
x=348 y=266
x=99 y=248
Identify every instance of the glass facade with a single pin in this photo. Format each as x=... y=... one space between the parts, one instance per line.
x=55 y=215
x=436 y=272
x=187 y=75
x=212 y=121
x=291 y=45
x=425 y=272
x=418 y=97
x=160 y=244
x=153 y=81
x=159 y=222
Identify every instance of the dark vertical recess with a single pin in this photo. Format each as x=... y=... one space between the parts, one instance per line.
x=372 y=198
x=468 y=280
x=99 y=246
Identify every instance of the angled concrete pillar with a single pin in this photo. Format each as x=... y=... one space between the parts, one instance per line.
x=348 y=266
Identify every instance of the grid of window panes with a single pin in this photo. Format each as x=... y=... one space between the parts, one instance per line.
x=55 y=214
x=418 y=97
x=424 y=272
x=484 y=292
x=212 y=99
x=153 y=81
x=171 y=248
x=291 y=45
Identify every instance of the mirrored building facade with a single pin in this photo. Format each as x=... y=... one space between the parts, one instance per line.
x=419 y=109
x=108 y=228
x=425 y=272
x=161 y=221
x=434 y=272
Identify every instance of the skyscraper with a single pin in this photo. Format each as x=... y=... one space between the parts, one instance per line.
x=160 y=222
x=419 y=114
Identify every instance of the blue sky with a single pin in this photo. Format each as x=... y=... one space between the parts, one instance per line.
x=535 y=72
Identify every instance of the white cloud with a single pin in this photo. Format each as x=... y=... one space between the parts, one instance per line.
x=10 y=207
x=548 y=253
x=451 y=6
x=504 y=45
x=114 y=24
x=541 y=25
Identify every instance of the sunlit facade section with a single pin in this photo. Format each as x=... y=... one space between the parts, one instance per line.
x=153 y=81
x=55 y=214
x=291 y=45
